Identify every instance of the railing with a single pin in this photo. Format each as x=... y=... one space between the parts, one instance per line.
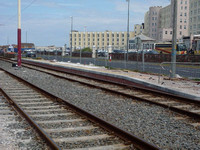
x=188 y=70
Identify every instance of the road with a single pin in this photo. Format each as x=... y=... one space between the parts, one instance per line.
x=183 y=71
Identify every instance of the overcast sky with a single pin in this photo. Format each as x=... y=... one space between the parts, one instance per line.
x=47 y=22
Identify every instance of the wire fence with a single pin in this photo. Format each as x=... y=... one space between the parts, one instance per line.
x=189 y=70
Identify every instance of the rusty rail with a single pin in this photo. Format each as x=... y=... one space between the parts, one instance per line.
x=127 y=136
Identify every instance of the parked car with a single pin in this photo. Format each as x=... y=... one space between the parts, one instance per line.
x=31 y=54
x=119 y=51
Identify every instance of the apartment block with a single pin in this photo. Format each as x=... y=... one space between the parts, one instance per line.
x=151 y=22
x=164 y=26
x=146 y=23
x=99 y=40
x=138 y=29
x=194 y=17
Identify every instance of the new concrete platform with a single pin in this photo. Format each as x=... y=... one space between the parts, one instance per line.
x=179 y=87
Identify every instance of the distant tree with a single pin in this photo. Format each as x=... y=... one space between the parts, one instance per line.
x=87 y=49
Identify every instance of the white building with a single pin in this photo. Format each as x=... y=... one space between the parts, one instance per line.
x=194 y=17
x=162 y=31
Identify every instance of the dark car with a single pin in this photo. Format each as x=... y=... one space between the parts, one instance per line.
x=30 y=54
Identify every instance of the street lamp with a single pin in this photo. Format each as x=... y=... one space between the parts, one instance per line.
x=173 y=54
x=19 y=34
x=71 y=38
x=128 y=30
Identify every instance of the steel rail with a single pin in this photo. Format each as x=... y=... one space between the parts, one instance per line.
x=108 y=79
x=127 y=136
x=41 y=132
x=178 y=110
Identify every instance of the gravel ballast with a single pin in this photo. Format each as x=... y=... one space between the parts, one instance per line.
x=152 y=123
x=16 y=133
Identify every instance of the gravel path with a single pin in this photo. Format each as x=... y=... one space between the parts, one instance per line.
x=154 y=124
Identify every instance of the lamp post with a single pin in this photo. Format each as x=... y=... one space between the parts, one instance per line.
x=19 y=34
x=128 y=30
x=173 y=54
x=71 y=38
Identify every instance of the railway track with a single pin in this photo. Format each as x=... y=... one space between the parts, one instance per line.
x=187 y=107
x=181 y=105
x=16 y=133
x=63 y=125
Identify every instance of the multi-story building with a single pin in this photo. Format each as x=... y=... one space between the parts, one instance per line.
x=165 y=28
x=99 y=40
x=138 y=29
x=146 y=23
x=151 y=22
x=165 y=21
x=194 y=17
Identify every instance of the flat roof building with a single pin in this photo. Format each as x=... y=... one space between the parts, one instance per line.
x=161 y=30
x=99 y=40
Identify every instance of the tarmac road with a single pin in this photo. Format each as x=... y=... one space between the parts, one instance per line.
x=183 y=71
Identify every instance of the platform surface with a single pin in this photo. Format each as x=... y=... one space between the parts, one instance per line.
x=185 y=88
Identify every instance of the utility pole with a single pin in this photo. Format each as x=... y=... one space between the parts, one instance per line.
x=128 y=30
x=19 y=34
x=173 y=54
x=8 y=40
x=26 y=37
x=71 y=38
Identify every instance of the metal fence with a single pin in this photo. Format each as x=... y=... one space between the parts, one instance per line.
x=188 y=70
x=183 y=69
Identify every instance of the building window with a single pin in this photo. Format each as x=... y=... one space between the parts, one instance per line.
x=165 y=32
x=194 y=26
x=180 y=33
x=195 y=11
x=181 y=21
x=171 y=32
x=181 y=14
x=180 y=26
